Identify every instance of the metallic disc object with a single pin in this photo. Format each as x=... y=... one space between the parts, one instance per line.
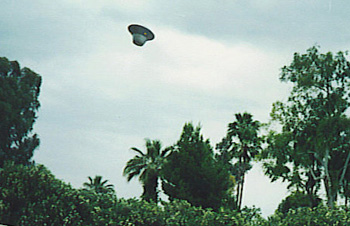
x=140 y=34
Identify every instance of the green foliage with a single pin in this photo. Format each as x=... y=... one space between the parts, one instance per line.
x=148 y=167
x=19 y=91
x=241 y=143
x=191 y=172
x=314 y=142
x=103 y=207
x=317 y=216
x=31 y=195
x=296 y=200
x=99 y=186
x=180 y=212
x=140 y=212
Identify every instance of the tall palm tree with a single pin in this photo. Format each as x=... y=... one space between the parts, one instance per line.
x=147 y=166
x=245 y=145
x=98 y=185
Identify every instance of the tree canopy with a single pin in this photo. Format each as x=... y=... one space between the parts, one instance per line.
x=241 y=143
x=19 y=92
x=148 y=167
x=192 y=173
x=313 y=146
x=98 y=185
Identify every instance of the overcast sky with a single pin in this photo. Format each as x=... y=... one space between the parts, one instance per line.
x=102 y=95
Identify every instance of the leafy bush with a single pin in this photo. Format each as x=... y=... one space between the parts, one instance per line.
x=180 y=212
x=296 y=200
x=103 y=207
x=318 y=216
x=31 y=195
x=139 y=212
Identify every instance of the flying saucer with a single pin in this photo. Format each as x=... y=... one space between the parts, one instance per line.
x=140 y=34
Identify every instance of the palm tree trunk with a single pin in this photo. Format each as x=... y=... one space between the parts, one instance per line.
x=150 y=186
x=237 y=194
x=346 y=203
x=241 y=192
x=239 y=186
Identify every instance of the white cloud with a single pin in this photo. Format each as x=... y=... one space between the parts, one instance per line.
x=98 y=104
x=204 y=64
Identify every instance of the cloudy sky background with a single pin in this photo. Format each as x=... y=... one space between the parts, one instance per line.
x=102 y=95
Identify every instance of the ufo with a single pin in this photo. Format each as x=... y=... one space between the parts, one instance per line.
x=140 y=34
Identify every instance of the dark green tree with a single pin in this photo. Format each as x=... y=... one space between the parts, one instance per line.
x=98 y=185
x=19 y=91
x=313 y=145
x=147 y=166
x=296 y=200
x=192 y=173
x=242 y=143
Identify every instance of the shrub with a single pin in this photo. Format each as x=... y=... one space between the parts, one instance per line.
x=296 y=200
x=318 y=216
x=31 y=195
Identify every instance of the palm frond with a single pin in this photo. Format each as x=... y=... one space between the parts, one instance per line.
x=146 y=165
x=165 y=152
x=132 y=175
x=138 y=151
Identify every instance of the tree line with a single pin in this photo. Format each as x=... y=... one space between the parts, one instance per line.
x=191 y=170
x=310 y=150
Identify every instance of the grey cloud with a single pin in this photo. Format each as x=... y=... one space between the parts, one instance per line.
x=277 y=24
x=43 y=29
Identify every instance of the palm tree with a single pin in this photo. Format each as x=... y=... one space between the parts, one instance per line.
x=245 y=146
x=147 y=166
x=98 y=185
